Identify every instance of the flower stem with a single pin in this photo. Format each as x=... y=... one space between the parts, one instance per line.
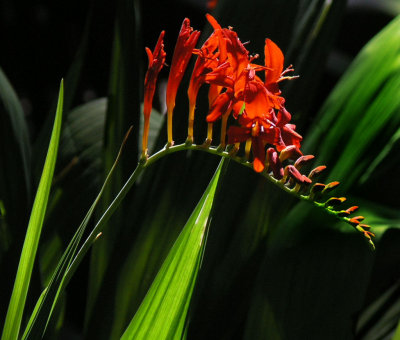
x=242 y=160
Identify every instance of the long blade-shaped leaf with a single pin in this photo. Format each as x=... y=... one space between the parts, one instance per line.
x=68 y=263
x=123 y=110
x=162 y=314
x=27 y=259
x=362 y=113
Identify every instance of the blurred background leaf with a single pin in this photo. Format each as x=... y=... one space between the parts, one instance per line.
x=15 y=183
x=123 y=110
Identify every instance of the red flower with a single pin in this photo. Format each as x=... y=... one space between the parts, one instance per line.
x=156 y=62
x=254 y=98
x=185 y=44
x=207 y=60
x=233 y=58
x=261 y=133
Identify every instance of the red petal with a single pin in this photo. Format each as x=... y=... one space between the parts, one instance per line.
x=259 y=154
x=237 y=134
x=274 y=61
x=219 y=107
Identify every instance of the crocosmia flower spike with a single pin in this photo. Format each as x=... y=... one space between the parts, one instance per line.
x=246 y=98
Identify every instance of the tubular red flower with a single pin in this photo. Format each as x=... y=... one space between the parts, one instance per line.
x=205 y=63
x=156 y=63
x=185 y=44
x=220 y=105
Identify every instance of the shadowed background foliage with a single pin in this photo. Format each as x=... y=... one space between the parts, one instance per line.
x=273 y=268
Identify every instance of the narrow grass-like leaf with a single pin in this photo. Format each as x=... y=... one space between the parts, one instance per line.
x=79 y=166
x=67 y=265
x=27 y=259
x=163 y=312
x=123 y=110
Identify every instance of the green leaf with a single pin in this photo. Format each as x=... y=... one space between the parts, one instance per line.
x=163 y=312
x=380 y=318
x=309 y=260
x=362 y=113
x=79 y=166
x=27 y=259
x=71 y=258
x=123 y=111
x=15 y=158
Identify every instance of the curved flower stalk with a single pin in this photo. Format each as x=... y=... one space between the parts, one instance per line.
x=248 y=95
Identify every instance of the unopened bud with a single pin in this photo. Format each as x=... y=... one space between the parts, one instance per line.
x=330 y=186
x=274 y=163
x=291 y=152
x=334 y=201
x=301 y=161
x=315 y=172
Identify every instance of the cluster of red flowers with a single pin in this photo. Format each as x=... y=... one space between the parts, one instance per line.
x=256 y=105
x=235 y=89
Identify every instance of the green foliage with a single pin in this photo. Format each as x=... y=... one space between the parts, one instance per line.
x=251 y=261
x=17 y=302
x=162 y=313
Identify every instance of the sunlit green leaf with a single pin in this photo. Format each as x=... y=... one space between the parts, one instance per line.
x=27 y=259
x=162 y=314
x=71 y=259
